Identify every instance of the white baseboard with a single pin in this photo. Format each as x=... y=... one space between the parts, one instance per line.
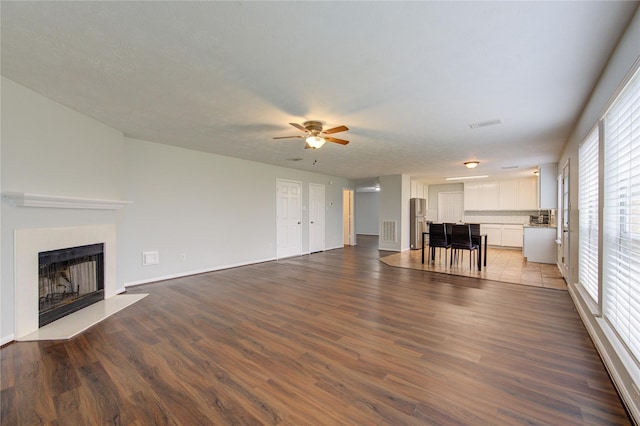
x=194 y=272
x=7 y=339
x=604 y=340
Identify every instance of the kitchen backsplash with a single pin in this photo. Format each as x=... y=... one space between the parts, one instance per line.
x=514 y=217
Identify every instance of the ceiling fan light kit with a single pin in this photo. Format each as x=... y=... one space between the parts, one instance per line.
x=471 y=164
x=315 y=142
x=316 y=137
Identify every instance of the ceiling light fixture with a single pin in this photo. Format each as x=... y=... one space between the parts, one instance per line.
x=535 y=172
x=467 y=177
x=471 y=164
x=315 y=142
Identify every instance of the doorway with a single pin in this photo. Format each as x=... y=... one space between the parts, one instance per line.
x=349 y=236
x=288 y=218
x=316 y=218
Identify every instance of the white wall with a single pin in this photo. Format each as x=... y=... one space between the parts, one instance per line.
x=626 y=54
x=367 y=213
x=50 y=149
x=219 y=211
x=395 y=193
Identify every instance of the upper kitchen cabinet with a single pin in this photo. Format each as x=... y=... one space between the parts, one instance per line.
x=547 y=186
x=482 y=196
x=528 y=194
x=472 y=196
x=490 y=196
x=508 y=199
x=507 y=195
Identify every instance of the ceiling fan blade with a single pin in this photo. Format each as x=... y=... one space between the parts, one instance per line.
x=336 y=130
x=288 y=137
x=299 y=127
x=336 y=140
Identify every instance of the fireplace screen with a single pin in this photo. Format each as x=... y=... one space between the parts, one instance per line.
x=69 y=279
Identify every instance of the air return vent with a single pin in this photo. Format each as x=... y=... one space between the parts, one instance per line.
x=389 y=231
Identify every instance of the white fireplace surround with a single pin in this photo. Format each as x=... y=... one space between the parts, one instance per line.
x=30 y=242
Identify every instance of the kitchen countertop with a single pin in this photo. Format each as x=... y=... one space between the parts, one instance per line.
x=537 y=225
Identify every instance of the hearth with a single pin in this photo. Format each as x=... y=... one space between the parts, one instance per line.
x=69 y=279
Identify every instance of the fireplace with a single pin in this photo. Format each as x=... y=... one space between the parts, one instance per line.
x=30 y=242
x=69 y=279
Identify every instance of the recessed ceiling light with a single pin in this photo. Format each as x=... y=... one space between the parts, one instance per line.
x=471 y=164
x=467 y=177
x=485 y=123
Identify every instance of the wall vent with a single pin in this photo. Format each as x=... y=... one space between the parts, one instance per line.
x=389 y=233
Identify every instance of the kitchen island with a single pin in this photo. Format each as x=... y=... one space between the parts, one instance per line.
x=540 y=244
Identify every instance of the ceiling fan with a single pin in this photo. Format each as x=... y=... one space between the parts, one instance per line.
x=315 y=136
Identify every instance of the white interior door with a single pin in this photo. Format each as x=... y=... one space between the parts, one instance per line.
x=316 y=218
x=288 y=218
x=450 y=207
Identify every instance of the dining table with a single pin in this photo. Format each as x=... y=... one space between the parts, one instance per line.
x=476 y=239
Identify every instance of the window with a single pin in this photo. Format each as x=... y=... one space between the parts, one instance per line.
x=588 y=217
x=621 y=221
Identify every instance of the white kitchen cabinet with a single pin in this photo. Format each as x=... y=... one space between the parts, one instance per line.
x=507 y=195
x=527 y=194
x=540 y=244
x=472 y=196
x=490 y=196
x=494 y=234
x=512 y=235
x=508 y=199
x=548 y=186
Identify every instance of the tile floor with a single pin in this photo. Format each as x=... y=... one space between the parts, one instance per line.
x=506 y=265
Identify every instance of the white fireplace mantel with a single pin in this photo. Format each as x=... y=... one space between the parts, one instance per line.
x=25 y=199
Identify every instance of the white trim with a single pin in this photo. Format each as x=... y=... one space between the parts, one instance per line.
x=7 y=339
x=196 y=272
x=613 y=354
x=25 y=199
x=205 y=270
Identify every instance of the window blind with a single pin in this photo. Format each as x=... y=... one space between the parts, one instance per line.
x=588 y=214
x=621 y=221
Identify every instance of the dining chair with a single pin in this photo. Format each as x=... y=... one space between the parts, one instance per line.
x=438 y=239
x=461 y=240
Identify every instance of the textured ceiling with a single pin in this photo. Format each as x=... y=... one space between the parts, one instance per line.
x=408 y=78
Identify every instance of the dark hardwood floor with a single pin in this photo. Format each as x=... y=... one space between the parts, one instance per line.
x=330 y=338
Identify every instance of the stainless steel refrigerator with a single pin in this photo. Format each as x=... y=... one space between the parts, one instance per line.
x=417 y=221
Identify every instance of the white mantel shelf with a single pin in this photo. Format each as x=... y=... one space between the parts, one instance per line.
x=24 y=199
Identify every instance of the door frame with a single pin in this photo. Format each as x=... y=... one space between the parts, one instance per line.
x=348 y=216
x=565 y=221
x=320 y=222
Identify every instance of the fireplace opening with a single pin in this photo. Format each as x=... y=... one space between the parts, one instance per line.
x=69 y=279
